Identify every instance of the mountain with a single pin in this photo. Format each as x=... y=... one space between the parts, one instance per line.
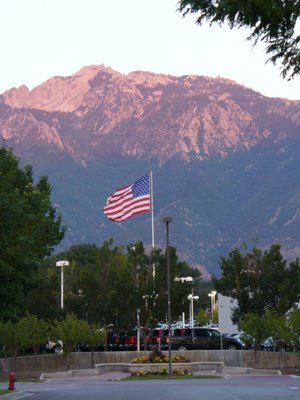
x=224 y=158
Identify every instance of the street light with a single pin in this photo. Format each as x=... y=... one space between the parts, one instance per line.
x=138 y=336
x=191 y=297
x=212 y=296
x=146 y=297
x=138 y=333
x=167 y=221
x=61 y=265
x=183 y=279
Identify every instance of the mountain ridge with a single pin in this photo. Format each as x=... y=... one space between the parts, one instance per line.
x=215 y=148
x=121 y=103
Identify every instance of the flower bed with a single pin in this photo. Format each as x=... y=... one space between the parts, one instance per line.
x=157 y=357
x=152 y=365
x=160 y=371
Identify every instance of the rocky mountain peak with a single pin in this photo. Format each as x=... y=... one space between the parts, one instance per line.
x=147 y=115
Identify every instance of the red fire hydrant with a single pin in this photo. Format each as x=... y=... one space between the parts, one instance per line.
x=12 y=380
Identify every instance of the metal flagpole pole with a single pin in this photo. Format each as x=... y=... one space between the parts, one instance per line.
x=167 y=221
x=152 y=209
x=152 y=217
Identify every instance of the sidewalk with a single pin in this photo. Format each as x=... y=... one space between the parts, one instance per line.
x=93 y=373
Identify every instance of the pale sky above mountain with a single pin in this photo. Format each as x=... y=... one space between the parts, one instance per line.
x=43 y=38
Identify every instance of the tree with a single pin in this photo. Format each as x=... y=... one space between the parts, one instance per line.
x=293 y=327
x=94 y=337
x=71 y=331
x=294 y=320
x=259 y=281
x=107 y=285
x=273 y=22
x=26 y=334
x=99 y=282
x=29 y=229
x=179 y=290
x=202 y=318
x=215 y=317
x=15 y=337
x=254 y=329
x=38 y=331
x=43 y=298
x=258 y=328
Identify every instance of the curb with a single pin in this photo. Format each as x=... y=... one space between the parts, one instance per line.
x=119 y=373
x=14 y=395
x=250 y=371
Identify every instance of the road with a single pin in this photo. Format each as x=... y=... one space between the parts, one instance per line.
x=227 y=388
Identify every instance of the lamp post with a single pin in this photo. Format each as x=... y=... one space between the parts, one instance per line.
x=138 y=333
x=183 y=279
x=191 y=297
x=61 y=265
x=167 y=221
x=212 y=296
x=146 y=297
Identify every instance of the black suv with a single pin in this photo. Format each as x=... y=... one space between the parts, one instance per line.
x=203 y=339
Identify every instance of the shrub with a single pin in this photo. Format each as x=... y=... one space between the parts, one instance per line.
x=157 y=357
x=140 y=360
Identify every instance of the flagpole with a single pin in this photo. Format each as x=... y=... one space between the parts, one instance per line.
x=152 y=216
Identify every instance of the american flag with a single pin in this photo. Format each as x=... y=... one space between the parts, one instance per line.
x=128 y=201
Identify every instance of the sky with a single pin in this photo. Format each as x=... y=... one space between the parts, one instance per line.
x=40 y=39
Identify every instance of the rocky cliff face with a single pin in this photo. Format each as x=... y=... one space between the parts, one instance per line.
x=225 y=159
x=97 y=111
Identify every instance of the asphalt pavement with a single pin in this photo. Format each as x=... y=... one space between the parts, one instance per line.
x=241 y=384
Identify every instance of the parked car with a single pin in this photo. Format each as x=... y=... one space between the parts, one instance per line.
x=276 y=345
x=52 y=346
x=203 y=339
x=246 y=342
x=130 y=340
x=115 y=341
x=158 y=338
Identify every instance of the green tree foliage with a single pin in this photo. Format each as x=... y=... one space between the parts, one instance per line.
x=43 y=298
x=107 y=285
x=293 y=327
x=215 y=317
x=254 y=329
x=29 y=229
x=38 y=331
x=94 y=337
x=27 y=333
x=7 y=337
x=70 y=331
x=98 y=284
x=179 y=291
x=294 y=320
x=271 y=21
x=14 y=337
x=276 y=325
x=257 y=328
x=202 y=318
x=260 y=281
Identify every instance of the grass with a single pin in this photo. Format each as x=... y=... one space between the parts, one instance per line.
x=173 y=377
x=23 y=380
x=4 y=391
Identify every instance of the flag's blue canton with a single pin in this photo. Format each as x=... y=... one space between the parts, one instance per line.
x=141 y=187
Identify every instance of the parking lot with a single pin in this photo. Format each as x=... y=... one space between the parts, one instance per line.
x=109 y=386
